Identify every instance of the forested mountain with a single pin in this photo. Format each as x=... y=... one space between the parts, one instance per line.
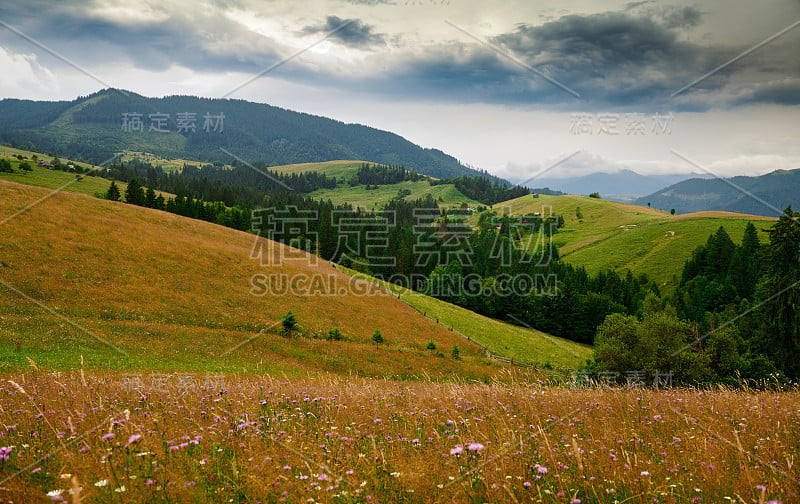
x=762 y=195
x=95 y=127
x=625 y=185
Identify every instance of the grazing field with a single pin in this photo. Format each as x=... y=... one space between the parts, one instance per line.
x=129 y=288
x=337 y=168
x=501 y=338
x=621 y=237
x=167 y=164
x=376 y=198
x=84 y=437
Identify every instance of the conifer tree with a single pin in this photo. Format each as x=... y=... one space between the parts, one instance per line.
x=113 y=192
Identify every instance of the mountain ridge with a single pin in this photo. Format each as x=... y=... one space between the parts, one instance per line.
x=766 y=194
x=92 y=128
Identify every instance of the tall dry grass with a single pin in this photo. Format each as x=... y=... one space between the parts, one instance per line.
x=342 y=439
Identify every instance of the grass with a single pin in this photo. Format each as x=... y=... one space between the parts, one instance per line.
x=624 y=237
x=82 y=277
x=167 y=164
x=501 y=338
x=339 y=168
x=375 y=198
x=119 y=438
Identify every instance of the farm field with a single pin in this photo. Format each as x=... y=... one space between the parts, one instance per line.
x=619 y=236
x=179 y=438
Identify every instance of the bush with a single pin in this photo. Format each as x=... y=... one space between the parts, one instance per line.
x=334 y=334
x=455 y=353
x=431 y=345
x=288 y=322
x=377 y=337
x=5 y=166
x=595 y=195
x=25 y=167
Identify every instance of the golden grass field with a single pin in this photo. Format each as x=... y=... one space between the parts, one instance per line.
x=137 y=366
x=175 y=294
x=84 y=437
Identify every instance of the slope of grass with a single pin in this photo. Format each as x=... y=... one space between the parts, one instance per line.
x=375 y=198
x=167 y=164
x=337 y=168
x=621 y=237
x=125 y=287
x=501 y=338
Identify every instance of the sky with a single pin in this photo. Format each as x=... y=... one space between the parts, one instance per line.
x=518 y=88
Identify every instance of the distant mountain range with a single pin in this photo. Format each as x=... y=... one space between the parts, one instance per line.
x=625 y=185
x=95 y=127
x=763 y=195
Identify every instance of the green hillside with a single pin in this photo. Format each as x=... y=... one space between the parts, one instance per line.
x=53 y=179
x=445 y=194
x=619 y=236
x=500 y=338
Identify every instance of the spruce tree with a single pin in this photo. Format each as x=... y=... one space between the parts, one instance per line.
x=134 y=194
x=781 y=316
x=150 y=198
x=113 y=192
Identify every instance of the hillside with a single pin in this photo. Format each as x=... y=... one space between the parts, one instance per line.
x=90 y=128
x=760 y=195
x=620 y=236
x=56 y=179
x=501 y=338
x=82 y=277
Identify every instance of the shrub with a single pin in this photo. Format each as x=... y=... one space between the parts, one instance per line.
x=455 y=353
x=431 y=345
x=288 y=322
x=334 y=334
x=377 y=337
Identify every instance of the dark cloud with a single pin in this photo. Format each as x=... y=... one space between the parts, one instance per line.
x=350 y=32
x=682 y=17
x=632 y=58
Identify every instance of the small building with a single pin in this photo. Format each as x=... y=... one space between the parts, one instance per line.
x=535 y=195
x=44 y=164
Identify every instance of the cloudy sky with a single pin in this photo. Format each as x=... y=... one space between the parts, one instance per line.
x=512 y=87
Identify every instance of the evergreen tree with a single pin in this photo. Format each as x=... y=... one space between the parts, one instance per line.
x=113 y=192
x=150 y=198
x=781 y=316
x=377 y=337
x=134 y=193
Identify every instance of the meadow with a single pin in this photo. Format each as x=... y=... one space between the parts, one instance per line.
x=622 y=237
x=129 y=288
x=85 y=437
x=525 y=345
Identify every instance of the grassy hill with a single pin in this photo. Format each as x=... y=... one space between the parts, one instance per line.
x=55 y=179
x=372 y=198
x=620 y=236
x=500 y=338
x=82 y=277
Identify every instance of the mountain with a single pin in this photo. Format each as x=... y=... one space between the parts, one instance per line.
x=95 y=127
x=763 y=195
x=625 y=185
